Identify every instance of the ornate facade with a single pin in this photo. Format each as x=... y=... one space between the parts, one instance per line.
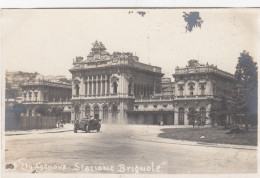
x=106 y=85
x=197 y=86
x=117 y=88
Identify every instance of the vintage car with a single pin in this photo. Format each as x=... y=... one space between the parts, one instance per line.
x=87 y=125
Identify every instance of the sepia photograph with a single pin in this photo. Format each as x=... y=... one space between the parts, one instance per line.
x=116 y=91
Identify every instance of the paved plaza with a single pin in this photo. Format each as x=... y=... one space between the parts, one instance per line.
x=121 y=149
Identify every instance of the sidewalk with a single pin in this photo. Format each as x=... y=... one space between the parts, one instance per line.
x=66 y=128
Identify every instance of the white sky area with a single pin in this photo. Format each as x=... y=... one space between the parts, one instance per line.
x=47 y=40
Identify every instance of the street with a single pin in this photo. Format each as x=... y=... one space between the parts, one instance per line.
x=121 y=149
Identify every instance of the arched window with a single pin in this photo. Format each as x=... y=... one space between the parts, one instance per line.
x=181 y=116
x=24 y=96
x=202 y=88
x=77 y=89
x=181 y=90
x=114 y=87
x=87 y=111
x=30 y=95
x=105 y=113
x=35 y=95
x=191 y=88
x=96 y=112
x=114 y=113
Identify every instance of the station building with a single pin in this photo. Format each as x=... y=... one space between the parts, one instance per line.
x=106 y=85
x=118 y=88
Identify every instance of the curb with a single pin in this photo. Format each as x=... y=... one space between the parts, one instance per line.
x=39 y=132
x=190 y=143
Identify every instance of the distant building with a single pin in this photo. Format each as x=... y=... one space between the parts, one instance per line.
x=168 y=86
x=13 y=82
x=118 y=88
x=41 y=92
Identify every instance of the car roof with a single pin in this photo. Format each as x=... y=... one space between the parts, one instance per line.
x=84 y=119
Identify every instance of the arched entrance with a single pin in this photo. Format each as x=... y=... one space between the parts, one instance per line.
x=164 y=119
x=155 y=119
x=87 y=111
x=191 y=120
x=203 y=115
x=105 y=114
x=114 y=114
x=96 y=112
x=181 y=116
x=76 y=110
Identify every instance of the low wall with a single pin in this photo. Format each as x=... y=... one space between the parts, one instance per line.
x=11 y=122
x=37 y=122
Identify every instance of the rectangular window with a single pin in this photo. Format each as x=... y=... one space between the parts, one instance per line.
x=90 y=88
x=108 y=86
x=94 y=88
x=35 y=95
x=103 y=88
x=99 y=88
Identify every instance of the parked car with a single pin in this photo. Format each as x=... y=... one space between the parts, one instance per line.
x=87 y=125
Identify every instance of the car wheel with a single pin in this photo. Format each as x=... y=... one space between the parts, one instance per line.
x=75 y=130
x=98 y=130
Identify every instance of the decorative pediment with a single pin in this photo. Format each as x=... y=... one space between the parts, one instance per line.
x=98 y=52
x=193 y=63
x=114 y=79
x=191 y=83
x=76 y=81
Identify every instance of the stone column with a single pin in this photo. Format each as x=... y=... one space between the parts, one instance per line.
x=87 y=82
x=92 y=92
x=186 y=120
x=39 y=97
x=105 y=85
x=108 y=85
x=86 y=88
x=176 y=119
x=96 y=85
x=101 y=85
x=89 y=87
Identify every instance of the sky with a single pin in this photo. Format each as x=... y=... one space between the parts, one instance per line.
x=47 y=40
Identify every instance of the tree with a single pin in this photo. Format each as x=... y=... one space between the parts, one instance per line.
x=245 y=94
x=18 y=109
x=56 y=111
x=42 y=110
x=194 y=116
x=223 y=111
x=193 y=20
x=213 y=113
